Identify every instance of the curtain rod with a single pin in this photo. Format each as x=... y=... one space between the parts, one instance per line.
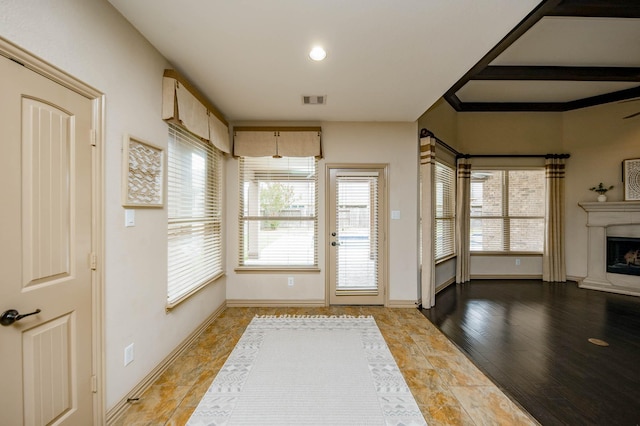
x=428 y=133
x=513 y=155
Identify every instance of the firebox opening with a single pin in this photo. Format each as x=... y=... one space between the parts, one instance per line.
x=623 y=255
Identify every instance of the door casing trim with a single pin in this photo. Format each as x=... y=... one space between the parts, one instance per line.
x=384 y=219
x=40 y=66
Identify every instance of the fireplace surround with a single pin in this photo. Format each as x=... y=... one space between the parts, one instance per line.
x=613 y=221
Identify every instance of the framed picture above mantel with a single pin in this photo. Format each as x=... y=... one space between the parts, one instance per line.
x=631 y=179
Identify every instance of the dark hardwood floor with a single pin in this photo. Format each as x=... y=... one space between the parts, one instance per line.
x=531 y=339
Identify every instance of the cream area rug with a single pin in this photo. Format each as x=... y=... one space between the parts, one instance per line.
x=292 y=370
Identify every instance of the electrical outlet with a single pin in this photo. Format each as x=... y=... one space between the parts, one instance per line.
x=128 y=354
x=290 y=281
x=517 y=262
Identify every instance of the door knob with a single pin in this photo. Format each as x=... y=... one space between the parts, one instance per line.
x=333 y=234
x=11 y=316
x=333 y=243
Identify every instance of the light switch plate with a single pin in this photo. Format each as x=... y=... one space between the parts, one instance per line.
x=395 y=214
x=129 y=217
x=128 y=354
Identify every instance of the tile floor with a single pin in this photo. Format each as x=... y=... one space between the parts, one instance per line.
x=449 y=389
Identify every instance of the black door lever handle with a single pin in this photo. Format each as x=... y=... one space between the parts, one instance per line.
x=11 y=316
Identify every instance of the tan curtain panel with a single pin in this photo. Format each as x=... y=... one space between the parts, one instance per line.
x=427 y=213
x=463 y=220
x=184 y=109
x=191 y=113
x=299 y=144
x=255 y=144
x=553 y=257
x=277 y=143
x=181 y=105
x=219 y=134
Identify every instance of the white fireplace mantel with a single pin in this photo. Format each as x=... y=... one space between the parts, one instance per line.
x=619 y=219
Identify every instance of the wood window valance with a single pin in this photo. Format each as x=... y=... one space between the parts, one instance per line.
x=183 y=105
x=277 y=142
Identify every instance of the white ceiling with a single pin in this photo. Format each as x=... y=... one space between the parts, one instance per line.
x=576 y=41
x=386 y=60
x=562 y=41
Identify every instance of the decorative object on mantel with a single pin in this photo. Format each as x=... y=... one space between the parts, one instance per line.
x=601 y=190
x=631 y=179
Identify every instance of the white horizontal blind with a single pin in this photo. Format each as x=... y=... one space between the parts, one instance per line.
x=194 y=201
x=445 y=196
x=357 y=233
x=507 y=210
x=278 y=212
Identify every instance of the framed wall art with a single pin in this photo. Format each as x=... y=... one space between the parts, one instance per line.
x=631 y=179
x=142 y=174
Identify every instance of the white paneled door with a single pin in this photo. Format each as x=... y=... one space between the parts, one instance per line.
x=356 y=236
x=45 y=255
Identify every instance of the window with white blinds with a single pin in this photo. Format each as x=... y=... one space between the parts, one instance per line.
x=194 y=202
x=445 y=199
x=507 y=210
x=278 y=212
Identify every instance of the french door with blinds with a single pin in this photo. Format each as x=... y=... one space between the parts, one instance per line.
x=356 y=235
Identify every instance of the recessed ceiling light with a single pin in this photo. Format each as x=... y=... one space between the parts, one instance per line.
x=317 y=53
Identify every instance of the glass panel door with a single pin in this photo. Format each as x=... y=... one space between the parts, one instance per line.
x=355 y=230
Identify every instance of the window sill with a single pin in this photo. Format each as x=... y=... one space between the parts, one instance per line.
x=505 y=253
x=274 y=269
x=173 y=304
x=445 y=258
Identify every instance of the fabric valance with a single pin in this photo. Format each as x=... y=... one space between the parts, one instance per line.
x=183 y=105
x=277 y=142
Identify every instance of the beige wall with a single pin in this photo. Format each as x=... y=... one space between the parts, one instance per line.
x=509 y=133
x=93 y=42
x=598 y=140
x=442 y=120
x=392 y=143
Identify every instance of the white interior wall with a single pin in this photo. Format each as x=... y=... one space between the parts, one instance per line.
x=94 y=43
x=392 y=143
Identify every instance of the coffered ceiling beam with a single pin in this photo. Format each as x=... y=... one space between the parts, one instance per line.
x=620 y=95
x=529 y=21
x=598 y=8
x=555 y=73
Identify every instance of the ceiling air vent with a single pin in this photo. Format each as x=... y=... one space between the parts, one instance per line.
x=314 y=100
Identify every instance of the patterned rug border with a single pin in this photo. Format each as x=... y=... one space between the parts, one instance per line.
x=397 y=404
x=314 y=316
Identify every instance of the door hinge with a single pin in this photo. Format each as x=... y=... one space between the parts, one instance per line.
x=94 y=384
x=93 y=261
x=92 y=137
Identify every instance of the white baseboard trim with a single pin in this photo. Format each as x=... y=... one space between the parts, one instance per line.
x=506 y=277
x=257 y=303
x=445 y=284
x=121 y=407
x=402 y=304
